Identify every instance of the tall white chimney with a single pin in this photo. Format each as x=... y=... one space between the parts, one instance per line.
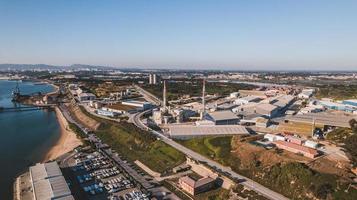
x=203 y=99
x=164 y=96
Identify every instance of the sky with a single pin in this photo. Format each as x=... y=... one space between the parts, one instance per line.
x=182 y=34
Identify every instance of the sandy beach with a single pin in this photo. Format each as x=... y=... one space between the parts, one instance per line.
x=67 y=141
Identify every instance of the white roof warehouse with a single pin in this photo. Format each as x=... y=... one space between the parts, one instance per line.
x=48 y=183
x=190 y=131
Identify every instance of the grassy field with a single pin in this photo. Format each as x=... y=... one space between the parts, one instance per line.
x=338 y=91
x=216 y=148
x=194 y=88
x=216 y=194
x=339 y=135
x=294 y=180
x=136 y=144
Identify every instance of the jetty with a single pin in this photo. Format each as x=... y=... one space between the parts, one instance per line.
x=26 y=108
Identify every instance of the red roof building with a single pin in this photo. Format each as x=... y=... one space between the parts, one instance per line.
x=295 y=148
x=194 y=187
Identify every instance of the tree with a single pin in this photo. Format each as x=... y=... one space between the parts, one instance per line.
x=353 y=124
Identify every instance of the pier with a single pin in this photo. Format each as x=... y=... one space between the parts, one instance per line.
x=25 y=108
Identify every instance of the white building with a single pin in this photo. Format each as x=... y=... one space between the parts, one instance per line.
x=153 y=79
x=266 y=109
x=141 y=104
x=234 y=95
x=48 y=183
x=306 y=93
x=311 y=144
x=246 y=100
x=86 y=97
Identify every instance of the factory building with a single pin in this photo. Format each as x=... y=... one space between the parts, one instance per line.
x=283 y=101
x=246 y=100
x=195 y=187
x=225 y=117
x=306 y=93
x=257 y=93
x=266 y=109
x=144 y=105
x=106 y=113
x=191 y=131
x=120 y=108
x=48 y=183
x=86 y=97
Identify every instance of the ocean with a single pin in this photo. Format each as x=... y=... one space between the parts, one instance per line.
x=25 y=137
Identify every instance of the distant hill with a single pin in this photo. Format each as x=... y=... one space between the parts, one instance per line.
x=51 y=67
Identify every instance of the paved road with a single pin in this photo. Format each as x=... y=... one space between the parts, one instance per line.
x=246 y=181
x=147 y=95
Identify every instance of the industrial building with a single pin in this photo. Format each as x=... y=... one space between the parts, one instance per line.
x=121 y=108
x=225 y=117
x=48 y=183
x=257 y=93
x=306 y=93
x=190 y=131
x=106 y=113
x=144 y=105
x=246 y=100
x=283 y=101
x=296 y=148
x=195 y=187
x=321 y=119
x=86 y=97
x=266 y=109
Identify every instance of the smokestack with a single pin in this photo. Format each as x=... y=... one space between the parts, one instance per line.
x=164 y=96
x=203 y=98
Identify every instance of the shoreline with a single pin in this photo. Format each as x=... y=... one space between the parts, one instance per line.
x=67 y=141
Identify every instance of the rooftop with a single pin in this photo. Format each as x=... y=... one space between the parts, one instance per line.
x=249 y=98
x=52 y=188
x=298 y=147
x=45 y=170
x=323 y=118
x=203 y=130
x=266 y=107
x=223 y=115
x=119 y=106
x=195 y=184
x=85 y=94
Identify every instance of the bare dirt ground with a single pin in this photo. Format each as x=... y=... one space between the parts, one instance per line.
x=83 y=118
x=325 y=165
x=249 y=155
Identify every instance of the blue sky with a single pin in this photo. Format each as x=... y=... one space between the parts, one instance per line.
x=194 y=34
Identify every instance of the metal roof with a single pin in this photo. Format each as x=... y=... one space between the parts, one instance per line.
x=266 y=107
x=191 y=130
x=323 y=118
x=223 y=115
x=51 y=188
x=70 y=197
x=195 y=184
x=45 y=170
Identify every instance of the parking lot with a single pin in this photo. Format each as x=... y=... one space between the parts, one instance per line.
x=95 y=176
